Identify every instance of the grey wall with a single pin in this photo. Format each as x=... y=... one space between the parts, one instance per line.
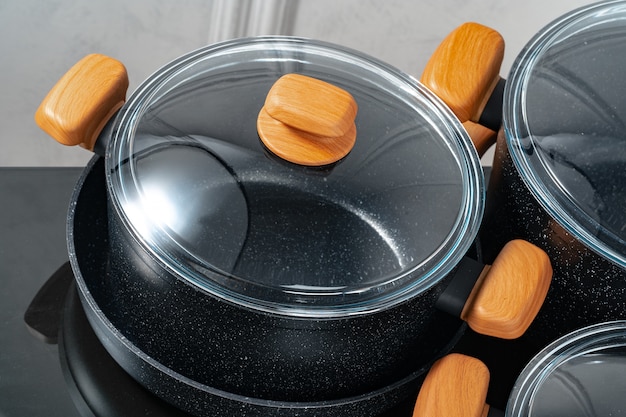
x=40 y=40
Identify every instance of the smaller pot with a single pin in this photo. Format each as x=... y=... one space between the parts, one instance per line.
x=580 y=374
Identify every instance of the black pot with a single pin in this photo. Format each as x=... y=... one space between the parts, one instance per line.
x=560 y=165
x=241 y=279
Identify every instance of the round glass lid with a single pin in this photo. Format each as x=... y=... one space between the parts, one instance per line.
x=580 y=375
x=200 y=191
x=565 y=122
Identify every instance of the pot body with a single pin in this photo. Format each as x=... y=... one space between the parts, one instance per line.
x=586 y=287
x=181 y=342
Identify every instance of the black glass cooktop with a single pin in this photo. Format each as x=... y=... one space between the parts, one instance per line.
x=33 y=208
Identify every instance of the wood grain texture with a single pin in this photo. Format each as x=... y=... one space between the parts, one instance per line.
x=465 y=68
x=311 y=105
x=83 y=100
x=300 y=147
x=509 y=294
x=308 y=121
x=456 y=386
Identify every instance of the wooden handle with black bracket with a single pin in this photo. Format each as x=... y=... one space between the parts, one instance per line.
x=464 y=71
x=78 y=107
x=456 y=386
x=503 y=299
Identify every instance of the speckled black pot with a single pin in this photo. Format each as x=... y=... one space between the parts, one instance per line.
x=557 y=178
x=209 y=357
x=586 y=288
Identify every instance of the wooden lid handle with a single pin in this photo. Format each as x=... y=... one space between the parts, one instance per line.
x=83 y=100
x=308 y=121
x=311 y=105
x=464 y=71
x=509 y=294
x=456 y=386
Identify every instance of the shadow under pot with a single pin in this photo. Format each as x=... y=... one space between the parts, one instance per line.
x=580 y=374
x=283 y=217
x=560 y=160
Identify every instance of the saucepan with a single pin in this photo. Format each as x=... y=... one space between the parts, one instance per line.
x=560 y=161
x=287 y=223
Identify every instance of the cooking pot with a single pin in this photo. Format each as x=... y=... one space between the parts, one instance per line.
x=580 y=374
x=560 y=159
x=283 y=216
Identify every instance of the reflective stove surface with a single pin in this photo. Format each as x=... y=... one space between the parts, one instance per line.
x=33 y=209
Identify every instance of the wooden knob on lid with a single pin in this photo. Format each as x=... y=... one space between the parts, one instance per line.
x=500 y=300
x=307 y=121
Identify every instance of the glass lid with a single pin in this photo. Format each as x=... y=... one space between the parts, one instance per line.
x=579 y=375
x=565 y=123
x=198 y=189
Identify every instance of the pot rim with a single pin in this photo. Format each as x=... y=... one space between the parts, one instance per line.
x=537 y=176
x=400 y=287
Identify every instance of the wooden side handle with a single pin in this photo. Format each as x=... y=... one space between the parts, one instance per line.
x=308 y=121
x=465 y=68
x=456 y=386
x=83 y=100
x=509 y=294
x=464 y=71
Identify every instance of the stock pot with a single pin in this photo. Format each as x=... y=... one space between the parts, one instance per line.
x=283 y=218
x=560 y=160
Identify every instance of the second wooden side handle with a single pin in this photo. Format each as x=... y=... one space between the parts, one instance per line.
x=509 y=294
x=307 y=121
x=77 y=108
x=456 y=386
x=464 y=71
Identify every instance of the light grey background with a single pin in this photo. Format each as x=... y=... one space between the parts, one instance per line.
x=40 y=40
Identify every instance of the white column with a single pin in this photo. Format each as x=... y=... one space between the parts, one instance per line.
x=240 y=18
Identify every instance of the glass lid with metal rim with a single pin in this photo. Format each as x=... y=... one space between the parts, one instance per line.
x=565 y=124
x=198 y=188
x=581 y=374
